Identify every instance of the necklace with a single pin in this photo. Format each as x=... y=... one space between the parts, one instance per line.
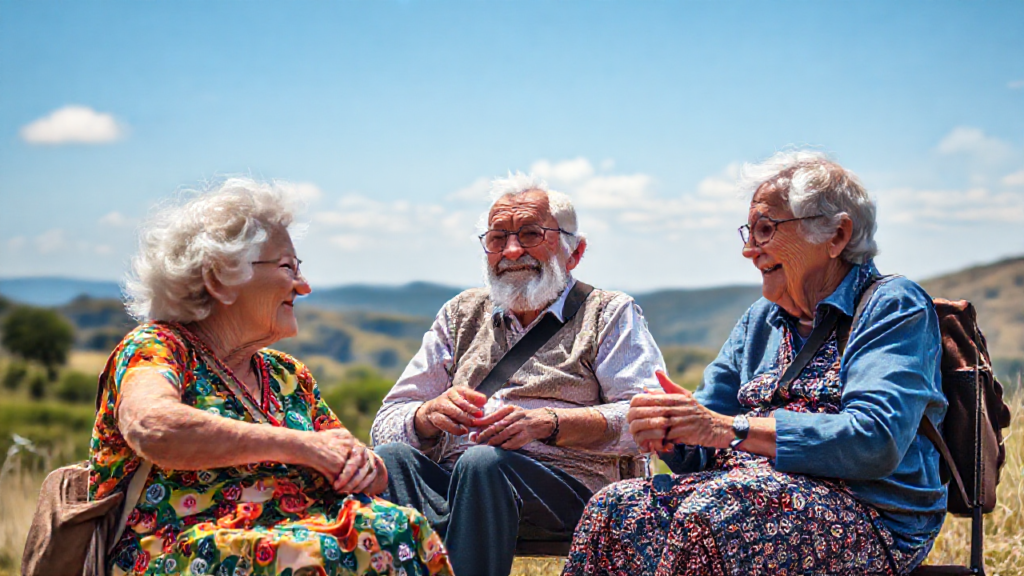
x=259 y=369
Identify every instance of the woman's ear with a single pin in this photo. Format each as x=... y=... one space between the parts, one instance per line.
x=222 y=293
x=841 y=238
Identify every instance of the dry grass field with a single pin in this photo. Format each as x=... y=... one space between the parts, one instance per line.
x=1004 y=528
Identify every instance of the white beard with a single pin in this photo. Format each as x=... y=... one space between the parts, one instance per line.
x=528 y=290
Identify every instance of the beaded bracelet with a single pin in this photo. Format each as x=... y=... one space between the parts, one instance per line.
x=553 y=437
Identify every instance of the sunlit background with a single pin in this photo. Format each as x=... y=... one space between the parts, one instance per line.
x=391 y=117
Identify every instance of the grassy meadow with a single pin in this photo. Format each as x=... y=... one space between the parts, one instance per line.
x=59 y=428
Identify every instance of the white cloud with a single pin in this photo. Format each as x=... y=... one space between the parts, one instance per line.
x=50 y=241
x=17 y=243
x=565 y=172
x=610 y=192
x=1015 y=179
x=349 y=242
x=307 y=191
x=1015 y=84
x=939 y=207
x=104 y=249
x=475 y=192
x=966 y=140
x=116 y=220
x=73 y=124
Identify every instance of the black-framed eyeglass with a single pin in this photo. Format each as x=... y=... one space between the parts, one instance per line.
x=763 y=229
x=530 y=235
x=292 y=265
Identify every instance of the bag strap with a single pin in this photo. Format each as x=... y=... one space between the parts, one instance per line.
x=539 y=335
x=131 y=499
x=818 y=336
x=926 y=428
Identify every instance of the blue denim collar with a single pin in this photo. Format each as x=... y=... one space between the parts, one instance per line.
x=844 y=298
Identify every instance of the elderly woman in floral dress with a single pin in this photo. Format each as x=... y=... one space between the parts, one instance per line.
x=818 y=473
x=252 y=473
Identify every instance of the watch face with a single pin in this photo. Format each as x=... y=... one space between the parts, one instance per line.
x=741 y=425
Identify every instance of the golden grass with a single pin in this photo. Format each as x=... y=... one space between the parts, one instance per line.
x=1004 y=528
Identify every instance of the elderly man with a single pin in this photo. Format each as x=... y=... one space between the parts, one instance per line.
x=524 y=461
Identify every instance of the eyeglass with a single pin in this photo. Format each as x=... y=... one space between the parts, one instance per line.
x=763 y=229
x=292 y=265
x=530 y=235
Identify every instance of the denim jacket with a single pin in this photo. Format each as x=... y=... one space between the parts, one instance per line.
x=891 y=379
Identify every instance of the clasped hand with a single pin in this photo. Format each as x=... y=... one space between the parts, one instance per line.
x=351 y=466
x=659 y=420
x=459 y=411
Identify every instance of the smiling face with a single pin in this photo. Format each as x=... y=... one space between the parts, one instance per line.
x=790 y=265
x=264 y=307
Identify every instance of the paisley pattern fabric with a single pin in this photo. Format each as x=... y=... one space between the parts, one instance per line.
x=741 y=516
x=261 y=519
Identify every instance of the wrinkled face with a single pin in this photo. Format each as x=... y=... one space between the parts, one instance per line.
x=788 y=260
x=265 y=304
x=526 y=279
x=512 y=213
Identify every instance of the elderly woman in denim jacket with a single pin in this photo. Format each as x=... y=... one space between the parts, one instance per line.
x=823 y=475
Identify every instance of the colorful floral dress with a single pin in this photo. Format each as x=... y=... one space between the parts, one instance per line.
x=260 y=519
x=741 y=516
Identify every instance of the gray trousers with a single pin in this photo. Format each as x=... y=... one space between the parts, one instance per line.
x=491 y=497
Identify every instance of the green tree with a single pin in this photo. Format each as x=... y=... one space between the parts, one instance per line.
x=39 y=334
x=15 y=375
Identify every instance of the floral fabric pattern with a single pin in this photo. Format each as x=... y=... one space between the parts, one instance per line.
x=741 y=516
x=261 y=519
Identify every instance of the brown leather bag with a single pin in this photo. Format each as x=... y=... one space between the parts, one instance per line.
x=71 y=535
x=977 y=414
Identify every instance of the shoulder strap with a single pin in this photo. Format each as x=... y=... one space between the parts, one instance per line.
x=810 y=348
x=523 y=350
x=131 y=499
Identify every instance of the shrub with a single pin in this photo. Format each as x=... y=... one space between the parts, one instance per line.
x=14 y=375
x=77 y=387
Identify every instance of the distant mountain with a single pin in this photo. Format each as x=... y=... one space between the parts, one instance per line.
x=997 y=292
x=413 y=299
x=696 y=317
x=55 y=291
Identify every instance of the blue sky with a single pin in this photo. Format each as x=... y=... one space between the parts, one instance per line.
x=391 y=116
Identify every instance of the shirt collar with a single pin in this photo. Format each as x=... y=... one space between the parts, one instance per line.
x=844 y=298
x=555 y=308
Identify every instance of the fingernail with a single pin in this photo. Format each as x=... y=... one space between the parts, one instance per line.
x=479 y=413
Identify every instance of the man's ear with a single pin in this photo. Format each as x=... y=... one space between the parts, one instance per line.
x=576 y=256
x=222 y=293
x=841 y=238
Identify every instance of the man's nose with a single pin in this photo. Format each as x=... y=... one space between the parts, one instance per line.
x=513 y=249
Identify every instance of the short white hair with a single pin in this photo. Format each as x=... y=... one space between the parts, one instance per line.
x=559 y=204
x=812 y=184
x=220 y=230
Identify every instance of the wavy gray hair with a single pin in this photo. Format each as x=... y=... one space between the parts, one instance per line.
x=813 y=184
x=559 y=204
x=220 y=230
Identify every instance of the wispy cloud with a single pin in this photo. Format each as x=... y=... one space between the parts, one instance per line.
x=970 y=141
x=73 y=124
x=116 y=220
x=1015 y=84
x=1015 y=179
x=307 y=191
x=50 y=241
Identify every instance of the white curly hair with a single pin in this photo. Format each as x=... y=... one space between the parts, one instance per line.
x=559 y=204
x=220 y=230
x=813 y=184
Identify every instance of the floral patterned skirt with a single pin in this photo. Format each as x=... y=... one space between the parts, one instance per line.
x=357 y=536
x=742 y=517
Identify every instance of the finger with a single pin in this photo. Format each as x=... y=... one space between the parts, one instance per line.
x=504 y=435
x=364 y=471
x=456 y=397
x=644 y=400
x=444 y=423
x=476 y=398
x=487 y=434
x=366 y=483
x=354 y=462
x=495 y=417
x=668 y=385
x=517 y=441
x=661 y=424
x=649 y=436
x=454 y=412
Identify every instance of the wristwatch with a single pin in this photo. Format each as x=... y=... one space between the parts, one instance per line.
x=740 y=428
